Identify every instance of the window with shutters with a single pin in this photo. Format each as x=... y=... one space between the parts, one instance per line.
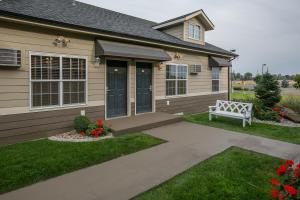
x=57 y=80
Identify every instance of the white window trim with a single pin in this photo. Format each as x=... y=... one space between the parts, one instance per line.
x=176 y=81
x=60 y=80
x=219 y=79
x=194 y=35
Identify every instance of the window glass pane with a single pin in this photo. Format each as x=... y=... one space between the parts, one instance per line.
x=197 y=32
x=46 y=67
x=191 y=31
x=181 y=87
x=66 y=68
x=75 y=68
x=182 y=72
x=171 y=72
x=82 y=69
x=215 y=85
x=170 y=88
x=36 y=94
x=36 y=68
x=55 y=73
x=215 y=73
x=74 y=92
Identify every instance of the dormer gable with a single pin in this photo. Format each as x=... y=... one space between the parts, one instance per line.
x=190 y=27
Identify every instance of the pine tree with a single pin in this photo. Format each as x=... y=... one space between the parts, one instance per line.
x=267 y=91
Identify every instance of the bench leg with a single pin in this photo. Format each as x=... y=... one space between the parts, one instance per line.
x=244 y=123
x=209 y=117
x=250 y=120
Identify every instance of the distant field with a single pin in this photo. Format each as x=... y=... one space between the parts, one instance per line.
x=250 y=95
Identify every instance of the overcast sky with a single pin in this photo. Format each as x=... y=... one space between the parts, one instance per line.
x=262 y=31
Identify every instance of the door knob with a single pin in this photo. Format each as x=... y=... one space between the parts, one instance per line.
x=150 y=88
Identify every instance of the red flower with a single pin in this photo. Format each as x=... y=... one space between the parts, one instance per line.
x=281 y=170
x=290 y=162
x=298 y=166
x=275 y=193
x=297 y=173
x=275 y=182
x=94 y=132
x=289 y=189
x=100 y=123
x=81 y=132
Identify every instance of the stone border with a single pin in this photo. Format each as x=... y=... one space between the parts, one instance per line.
x=288 y=124
x=60 y=138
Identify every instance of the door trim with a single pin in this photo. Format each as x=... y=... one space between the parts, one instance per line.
x=128 y=87
x=153 y=87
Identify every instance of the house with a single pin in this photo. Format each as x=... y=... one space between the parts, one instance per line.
x=60 y=59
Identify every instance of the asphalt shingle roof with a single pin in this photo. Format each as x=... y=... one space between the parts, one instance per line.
x=92 y=17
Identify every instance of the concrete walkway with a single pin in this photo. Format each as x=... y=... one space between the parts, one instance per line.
x=125 y=177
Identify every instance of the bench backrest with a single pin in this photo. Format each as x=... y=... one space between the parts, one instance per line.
x=232 y=106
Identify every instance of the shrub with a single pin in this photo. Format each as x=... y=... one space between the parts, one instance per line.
x=263 y=113
x=297 y=80
x=292 y=102
x=287 y=186
x=81 y=123
x=267 y=91
x=285 y=83
x=97 y=129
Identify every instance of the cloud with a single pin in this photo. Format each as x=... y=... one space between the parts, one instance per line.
x=262 y=31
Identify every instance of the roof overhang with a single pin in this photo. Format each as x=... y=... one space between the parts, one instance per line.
x=218 y=62
x=199 y=14
x=122 y=50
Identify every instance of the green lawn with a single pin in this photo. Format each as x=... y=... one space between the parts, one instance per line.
x=287 y=134
x=27 y=163
x=235 y=174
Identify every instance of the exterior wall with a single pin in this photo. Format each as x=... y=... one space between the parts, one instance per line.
x=189 y=105
x=186 y=31
x=200 y=84
x=14 y=84
x=176 y=31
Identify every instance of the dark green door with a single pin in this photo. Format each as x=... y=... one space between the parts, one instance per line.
x=143 y=87
x=116 y=83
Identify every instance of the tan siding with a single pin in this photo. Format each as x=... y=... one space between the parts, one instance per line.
x=14 y=85
x=176 y=31
x=186 y=31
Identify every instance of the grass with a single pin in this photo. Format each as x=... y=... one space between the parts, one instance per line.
x=30 y=162
x=287 y=134
x=235 y=174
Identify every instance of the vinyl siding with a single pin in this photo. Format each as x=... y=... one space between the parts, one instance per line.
x=176 y=31
x=14 y=84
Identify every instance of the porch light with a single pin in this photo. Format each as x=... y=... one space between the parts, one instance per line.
x=160 y=66
x=97 y=61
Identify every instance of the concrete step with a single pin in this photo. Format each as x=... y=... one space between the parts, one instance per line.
x=142 y=122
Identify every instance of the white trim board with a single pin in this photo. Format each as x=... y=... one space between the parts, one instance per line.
x=190 y=95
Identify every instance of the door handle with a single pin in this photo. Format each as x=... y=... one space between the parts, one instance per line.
x=150 y=88
x=107 y=89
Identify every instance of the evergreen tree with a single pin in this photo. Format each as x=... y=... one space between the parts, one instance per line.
x=297 y=81
x=285 y=83
x=267 y=90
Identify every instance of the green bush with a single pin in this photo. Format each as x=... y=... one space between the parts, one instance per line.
x=81 y=123
x=285 y=83
x=267 y=91
x=264 y=113
x=297 y=81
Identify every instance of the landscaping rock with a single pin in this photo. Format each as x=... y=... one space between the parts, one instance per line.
x=73 y=136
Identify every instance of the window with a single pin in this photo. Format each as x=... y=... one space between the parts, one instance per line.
x=176 y=80
x=57 y=81
x=215 y=79
x=194 y=31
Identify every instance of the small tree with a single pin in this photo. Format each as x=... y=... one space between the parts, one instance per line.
x=267 y=91
x=285 y=83
x=297 y=80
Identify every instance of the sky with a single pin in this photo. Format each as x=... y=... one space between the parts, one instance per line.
x=261 y=31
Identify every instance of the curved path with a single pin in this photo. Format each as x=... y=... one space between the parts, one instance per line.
x=125 y=177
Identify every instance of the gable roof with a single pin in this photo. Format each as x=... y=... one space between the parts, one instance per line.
x=198 y=13
x=89 y=17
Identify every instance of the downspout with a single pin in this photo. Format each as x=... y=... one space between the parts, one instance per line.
x=230 y=78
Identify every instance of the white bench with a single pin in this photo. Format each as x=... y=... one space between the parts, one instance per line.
x=232 y=109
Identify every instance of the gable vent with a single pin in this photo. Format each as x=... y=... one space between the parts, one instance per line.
x=195 y=69
x=10 y=58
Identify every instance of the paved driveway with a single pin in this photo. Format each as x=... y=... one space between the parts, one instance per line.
x=125 y=177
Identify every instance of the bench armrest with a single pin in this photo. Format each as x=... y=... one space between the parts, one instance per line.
x=212 y=108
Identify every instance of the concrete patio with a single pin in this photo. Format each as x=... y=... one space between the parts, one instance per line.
x=126 y=177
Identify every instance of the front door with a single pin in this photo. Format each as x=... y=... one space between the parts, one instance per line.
x=116 y=88
x=143 y=87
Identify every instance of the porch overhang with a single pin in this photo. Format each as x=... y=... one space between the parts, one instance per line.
x=121 y=50
x=218 y=62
